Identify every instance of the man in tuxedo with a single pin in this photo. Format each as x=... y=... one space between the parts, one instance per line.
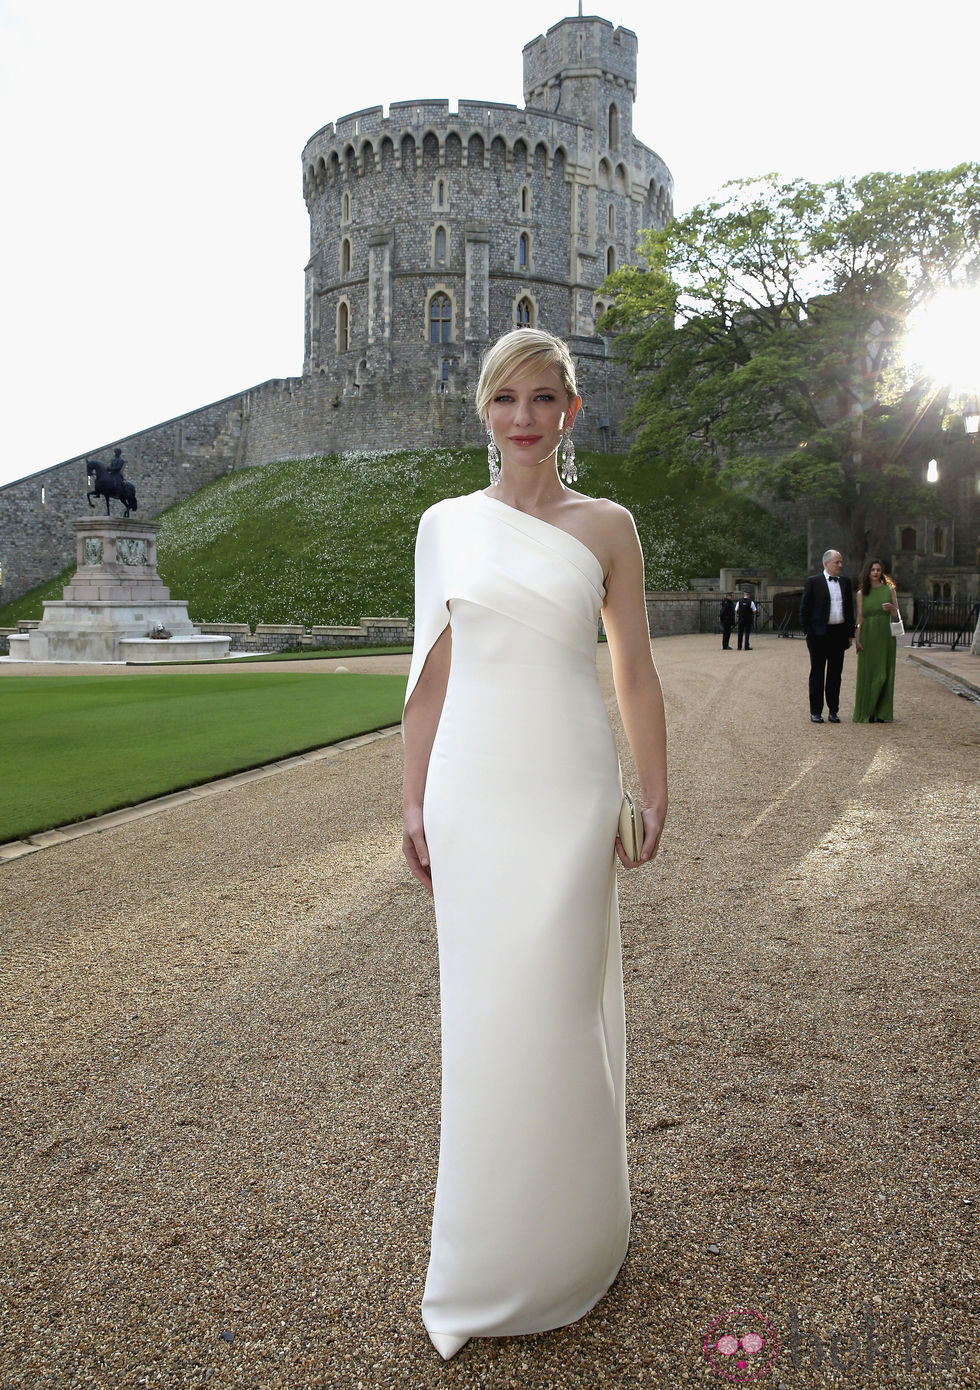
x=827 y=619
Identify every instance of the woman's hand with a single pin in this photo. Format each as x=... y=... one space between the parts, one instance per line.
x=888 y=608
x=415 y=849
x=653 y=824
x=857 y=645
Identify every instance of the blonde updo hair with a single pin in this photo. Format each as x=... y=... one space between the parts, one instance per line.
x=518 y=353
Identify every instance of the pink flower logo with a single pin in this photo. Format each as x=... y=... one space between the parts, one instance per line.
x=741 y=1345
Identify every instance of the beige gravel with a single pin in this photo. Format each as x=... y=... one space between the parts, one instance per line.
x=220 y=1070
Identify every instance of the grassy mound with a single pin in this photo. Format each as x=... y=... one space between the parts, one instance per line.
x=329 y=540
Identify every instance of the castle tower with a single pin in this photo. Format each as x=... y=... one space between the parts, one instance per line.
x=586 y=69
x=434 y=231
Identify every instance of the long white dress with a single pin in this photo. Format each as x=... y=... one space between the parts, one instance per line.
x=532 y=1211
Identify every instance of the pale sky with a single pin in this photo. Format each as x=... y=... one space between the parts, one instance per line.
x=154 y=233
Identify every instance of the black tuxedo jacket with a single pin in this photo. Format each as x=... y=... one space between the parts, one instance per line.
x=815 y=606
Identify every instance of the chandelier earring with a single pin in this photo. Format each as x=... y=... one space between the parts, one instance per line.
x=493 y=457
x=569 y=472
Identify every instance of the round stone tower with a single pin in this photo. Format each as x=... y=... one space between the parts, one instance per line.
x=434 y=231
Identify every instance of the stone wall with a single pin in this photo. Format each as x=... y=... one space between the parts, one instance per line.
x=296 y=417
x=281 y=637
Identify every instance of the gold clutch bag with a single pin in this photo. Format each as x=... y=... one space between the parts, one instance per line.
x=631 y=827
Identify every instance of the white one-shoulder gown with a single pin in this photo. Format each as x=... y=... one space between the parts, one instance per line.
x=532 y=1212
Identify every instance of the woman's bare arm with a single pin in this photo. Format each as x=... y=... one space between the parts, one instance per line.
x=638 y=690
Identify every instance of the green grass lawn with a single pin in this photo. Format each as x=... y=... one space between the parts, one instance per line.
x=79 y=746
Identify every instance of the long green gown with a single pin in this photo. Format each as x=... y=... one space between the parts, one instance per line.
x=875 y=693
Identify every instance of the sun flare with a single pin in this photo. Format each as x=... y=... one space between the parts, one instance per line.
x=943 y=340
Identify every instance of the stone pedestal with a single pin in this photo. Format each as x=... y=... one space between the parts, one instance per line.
x=114 y=602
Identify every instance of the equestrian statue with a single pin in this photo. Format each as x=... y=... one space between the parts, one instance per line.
x=109 y=483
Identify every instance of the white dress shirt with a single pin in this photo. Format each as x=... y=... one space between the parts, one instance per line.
x=836 y=601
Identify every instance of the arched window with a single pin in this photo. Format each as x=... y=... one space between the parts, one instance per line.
x=524 y=250
x=938 y=541
x=613 y=127
x=345 y=256
x=440 y=193
x=345 y=208
x=524 y=313
x=612 y=220
x=343 y=326
x=440 y=319
x=525 y=199
x=610 y=260
x=908 y=537
x=440 y=243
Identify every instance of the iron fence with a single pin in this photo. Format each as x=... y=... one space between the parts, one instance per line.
x=779 y=615
x=944 y=623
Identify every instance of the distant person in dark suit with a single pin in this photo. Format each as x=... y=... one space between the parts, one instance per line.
x=727 y=617
x=745 y=610
x=827 y=619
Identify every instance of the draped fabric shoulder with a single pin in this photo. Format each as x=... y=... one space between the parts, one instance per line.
x=469 y=545
x=522 y=797
x=438 y=529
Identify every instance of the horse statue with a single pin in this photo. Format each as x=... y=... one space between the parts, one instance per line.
x=109 y=483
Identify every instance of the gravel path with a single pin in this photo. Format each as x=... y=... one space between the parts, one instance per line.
x=220 y=1071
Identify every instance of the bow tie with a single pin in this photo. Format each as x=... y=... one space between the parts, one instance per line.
x=832 y=579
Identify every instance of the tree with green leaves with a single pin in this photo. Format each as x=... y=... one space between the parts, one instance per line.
x=766 y=338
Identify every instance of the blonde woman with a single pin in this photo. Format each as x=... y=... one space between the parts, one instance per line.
x=512 y=794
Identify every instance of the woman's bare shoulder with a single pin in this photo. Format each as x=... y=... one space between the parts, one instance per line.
x=604 y=510
x=605 y=527
x=610 y=520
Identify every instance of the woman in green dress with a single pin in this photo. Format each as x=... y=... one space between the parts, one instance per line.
x=877 y=608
